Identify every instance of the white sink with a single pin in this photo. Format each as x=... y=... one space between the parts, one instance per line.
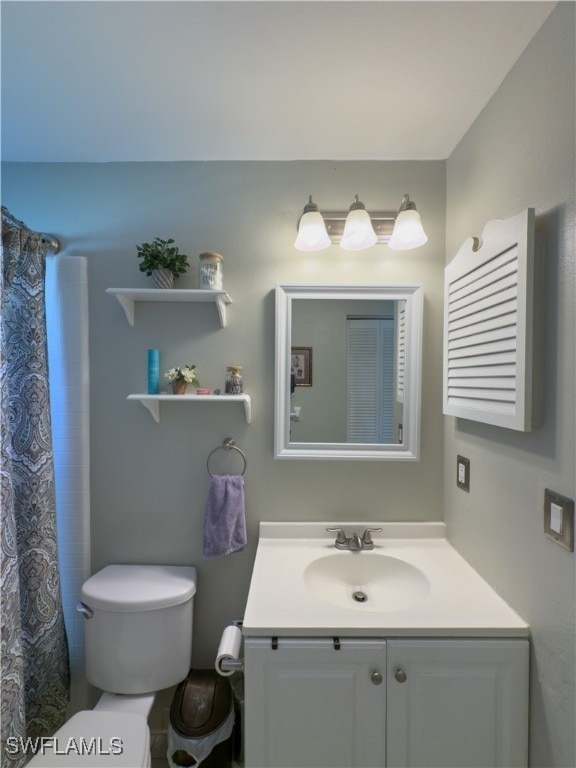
x=366 y=581
x=414 y=582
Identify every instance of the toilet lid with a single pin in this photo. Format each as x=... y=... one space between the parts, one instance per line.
x=97 y=739
x=133 y=588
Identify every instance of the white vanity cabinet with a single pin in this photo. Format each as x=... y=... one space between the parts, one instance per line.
x=309 y=704
x=457 y=703
x=375 y=702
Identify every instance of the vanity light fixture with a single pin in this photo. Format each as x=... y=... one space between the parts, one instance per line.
x=357 y=229
x=312 y=234
x=408 y=230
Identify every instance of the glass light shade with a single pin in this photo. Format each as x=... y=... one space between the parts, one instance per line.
x=408 y=231
x=312 y=234
x=358 y=231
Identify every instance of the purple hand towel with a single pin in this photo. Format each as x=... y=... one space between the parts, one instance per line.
x=224 y=518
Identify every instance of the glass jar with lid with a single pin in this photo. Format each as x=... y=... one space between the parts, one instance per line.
x=210 y=272
x=234 y=385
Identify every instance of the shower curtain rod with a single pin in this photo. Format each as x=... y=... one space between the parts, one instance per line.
x=52 y=243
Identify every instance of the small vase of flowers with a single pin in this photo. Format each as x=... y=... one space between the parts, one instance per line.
x=180 y=377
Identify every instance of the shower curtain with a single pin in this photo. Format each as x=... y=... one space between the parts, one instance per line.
x=34 y=653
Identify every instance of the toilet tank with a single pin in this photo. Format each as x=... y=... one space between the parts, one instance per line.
x=139 y=636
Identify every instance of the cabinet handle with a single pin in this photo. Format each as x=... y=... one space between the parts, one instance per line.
x=401 y=676
x=376 y=678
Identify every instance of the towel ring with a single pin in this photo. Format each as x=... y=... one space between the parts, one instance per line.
x=228 y=444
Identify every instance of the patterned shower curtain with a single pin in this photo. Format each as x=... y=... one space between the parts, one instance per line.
x=34 y=656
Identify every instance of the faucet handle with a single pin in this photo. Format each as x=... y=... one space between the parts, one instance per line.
x=340 y=535
x=367 y=536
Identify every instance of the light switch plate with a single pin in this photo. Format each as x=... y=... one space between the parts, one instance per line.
x=463 y=473
x=559 y=519
x=556 y=518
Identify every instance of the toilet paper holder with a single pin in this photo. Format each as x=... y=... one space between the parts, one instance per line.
x=231 y=665
x=228 y=660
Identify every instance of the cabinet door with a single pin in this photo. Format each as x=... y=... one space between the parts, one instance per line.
x=457 y=703
x=309 y=704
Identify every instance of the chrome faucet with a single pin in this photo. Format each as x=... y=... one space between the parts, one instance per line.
x=367 y=542
x=353 y=543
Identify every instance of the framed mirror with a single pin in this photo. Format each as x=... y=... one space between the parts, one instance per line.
x=348 y=372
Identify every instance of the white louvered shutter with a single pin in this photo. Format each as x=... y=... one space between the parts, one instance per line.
x=488 y=326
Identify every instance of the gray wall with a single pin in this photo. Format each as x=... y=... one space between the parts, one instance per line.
x=149 y=481
x=520 y=153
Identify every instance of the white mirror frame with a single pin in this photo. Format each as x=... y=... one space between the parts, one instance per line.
x=409 y=450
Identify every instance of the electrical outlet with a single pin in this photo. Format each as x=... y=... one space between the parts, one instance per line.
x=463 y=473
x=559 y=519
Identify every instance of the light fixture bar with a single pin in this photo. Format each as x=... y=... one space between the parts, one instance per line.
x=383 y=224
x=357 y=229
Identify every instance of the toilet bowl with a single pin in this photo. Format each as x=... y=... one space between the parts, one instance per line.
x=98 y=739
x=138 y=640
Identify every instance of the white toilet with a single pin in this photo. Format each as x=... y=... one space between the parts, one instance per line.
x=138 y=640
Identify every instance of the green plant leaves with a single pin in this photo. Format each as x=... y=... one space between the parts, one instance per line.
x=162 y=254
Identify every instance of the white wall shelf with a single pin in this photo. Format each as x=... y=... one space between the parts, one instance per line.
x=152 y=402
x=127 y=298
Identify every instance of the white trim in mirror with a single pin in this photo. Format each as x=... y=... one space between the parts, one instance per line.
x=409 y=448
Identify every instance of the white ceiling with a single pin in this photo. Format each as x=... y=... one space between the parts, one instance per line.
x=239 y=80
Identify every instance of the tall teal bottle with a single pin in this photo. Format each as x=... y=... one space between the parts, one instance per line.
x=153 y=371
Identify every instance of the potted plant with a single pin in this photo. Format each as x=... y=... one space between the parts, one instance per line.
x=162 y=260
x=181 y=376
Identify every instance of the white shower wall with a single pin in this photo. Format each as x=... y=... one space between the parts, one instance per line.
x=67 y=323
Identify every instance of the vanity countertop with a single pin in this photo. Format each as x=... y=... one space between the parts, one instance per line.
x=445 y=596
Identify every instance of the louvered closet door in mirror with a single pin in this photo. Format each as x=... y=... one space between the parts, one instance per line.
x=370 y=374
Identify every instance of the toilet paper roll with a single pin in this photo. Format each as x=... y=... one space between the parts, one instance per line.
x=229 y=648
